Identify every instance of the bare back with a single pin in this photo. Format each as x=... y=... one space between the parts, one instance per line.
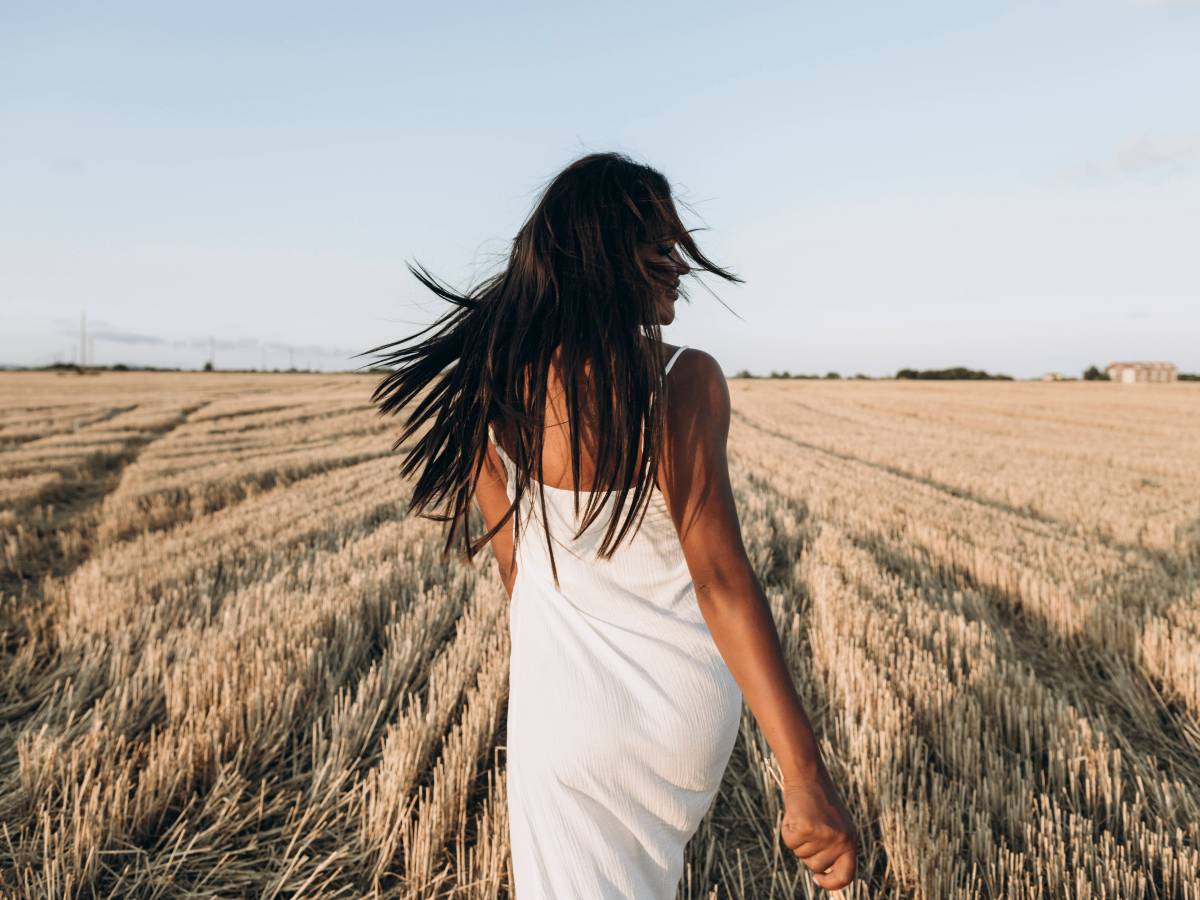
x=556 y=449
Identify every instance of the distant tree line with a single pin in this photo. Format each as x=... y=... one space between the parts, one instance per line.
x=828 y=376
x=208 y=367
x=958 y=373
x=1091 y=373
x=954 y=374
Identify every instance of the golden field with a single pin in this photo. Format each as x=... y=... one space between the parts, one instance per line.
x=232 y=667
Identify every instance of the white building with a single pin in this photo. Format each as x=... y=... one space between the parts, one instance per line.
x=1131 y=372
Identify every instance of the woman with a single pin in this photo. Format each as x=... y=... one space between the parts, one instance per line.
x=637 y=623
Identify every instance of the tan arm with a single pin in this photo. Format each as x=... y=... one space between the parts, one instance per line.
x=491 y=496
x=817 y=826
x=732 y=601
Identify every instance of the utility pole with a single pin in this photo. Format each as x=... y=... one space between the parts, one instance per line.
x=264 y=357
x=212 y=352
x=292 y=358
x=82 y=338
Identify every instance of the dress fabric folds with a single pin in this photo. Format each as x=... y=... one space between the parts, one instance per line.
x=621 y=715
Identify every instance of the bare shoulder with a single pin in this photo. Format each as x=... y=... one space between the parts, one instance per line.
x=698 y=416
x=694 y=478
x=696 y=361
x=698 y=388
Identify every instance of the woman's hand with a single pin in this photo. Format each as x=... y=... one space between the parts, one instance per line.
x=817 y=827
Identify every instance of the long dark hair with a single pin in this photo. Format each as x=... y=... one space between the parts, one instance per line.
x=573 y=282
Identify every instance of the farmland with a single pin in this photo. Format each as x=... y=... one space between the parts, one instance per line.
x=233 y=666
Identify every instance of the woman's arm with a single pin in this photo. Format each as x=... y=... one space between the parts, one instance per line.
x=700 y=498
x=491 y=494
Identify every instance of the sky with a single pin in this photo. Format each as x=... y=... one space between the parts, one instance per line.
x=1012 y=186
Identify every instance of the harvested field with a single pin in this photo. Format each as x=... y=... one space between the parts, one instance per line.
x=233 y=667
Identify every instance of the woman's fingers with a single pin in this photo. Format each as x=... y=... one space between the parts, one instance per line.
x=840 y=874
x=818 y=829
x=808 y=848
x=831 y=860
x=807 y=838
x=822 y=859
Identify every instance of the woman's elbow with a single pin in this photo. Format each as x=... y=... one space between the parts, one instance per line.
x=727 y=584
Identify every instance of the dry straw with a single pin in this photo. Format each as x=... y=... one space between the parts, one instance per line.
x=236 y=668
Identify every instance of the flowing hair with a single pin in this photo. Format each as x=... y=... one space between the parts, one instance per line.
x=574 y=282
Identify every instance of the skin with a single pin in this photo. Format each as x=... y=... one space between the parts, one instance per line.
x=666 y=253
x=694 y=479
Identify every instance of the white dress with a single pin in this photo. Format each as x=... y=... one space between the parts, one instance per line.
x=622 y=713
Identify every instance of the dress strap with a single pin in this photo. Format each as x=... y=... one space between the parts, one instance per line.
x=500 y=450
x=675 y=356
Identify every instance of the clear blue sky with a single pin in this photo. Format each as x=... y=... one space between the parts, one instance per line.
x=1005 y=185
